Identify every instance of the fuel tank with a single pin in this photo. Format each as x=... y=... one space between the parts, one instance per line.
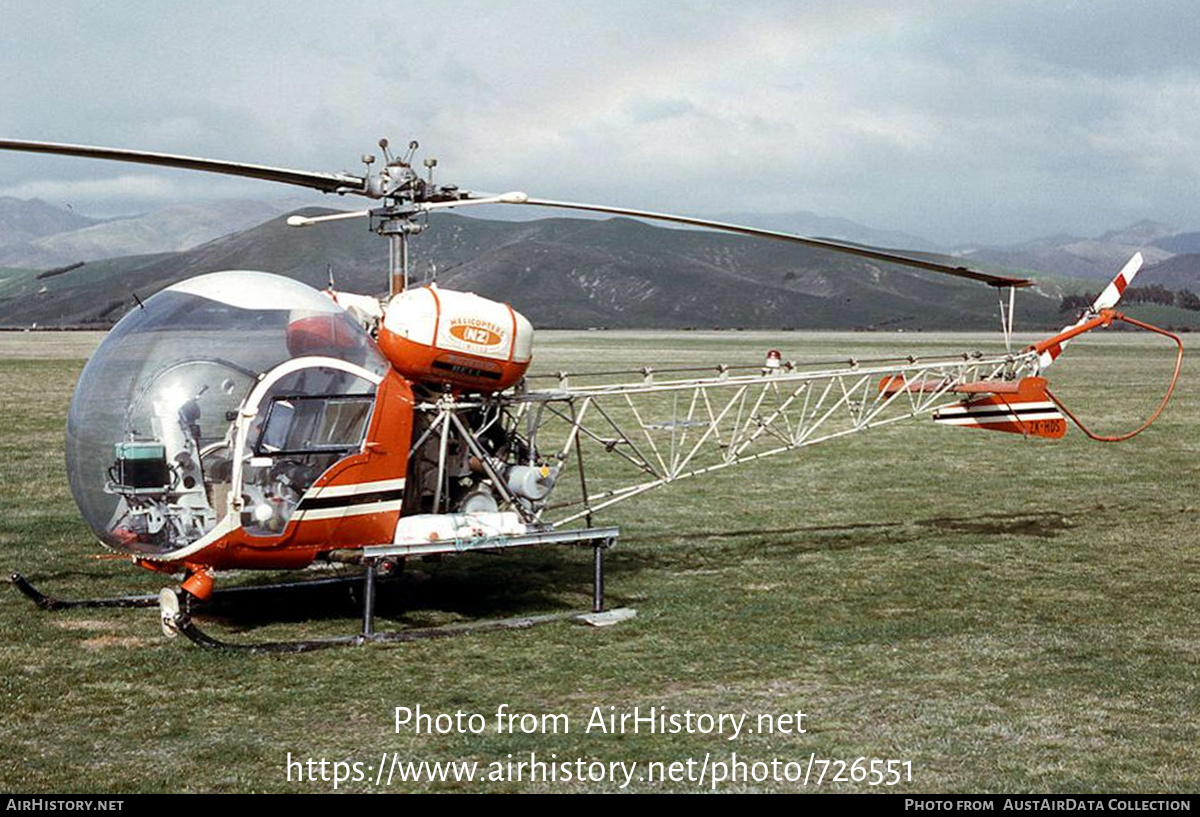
x=445 y=337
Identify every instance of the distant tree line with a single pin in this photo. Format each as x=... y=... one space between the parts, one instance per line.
x=1153 y=294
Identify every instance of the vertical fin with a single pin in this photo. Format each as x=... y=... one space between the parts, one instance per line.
x=1030 y=411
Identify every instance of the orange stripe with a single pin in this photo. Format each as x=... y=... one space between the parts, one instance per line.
x=437 y=316
x=512 y=345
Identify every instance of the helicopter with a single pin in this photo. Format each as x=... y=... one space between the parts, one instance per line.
x=244 y=420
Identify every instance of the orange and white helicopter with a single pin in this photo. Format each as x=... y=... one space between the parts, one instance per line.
x=245 y=420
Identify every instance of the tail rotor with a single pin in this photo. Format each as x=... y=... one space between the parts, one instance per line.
x=1105 y=300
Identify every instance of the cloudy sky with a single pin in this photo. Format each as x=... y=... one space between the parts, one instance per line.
x=960 y=121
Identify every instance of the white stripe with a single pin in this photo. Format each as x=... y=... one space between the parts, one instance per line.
x=317 y=514
x=957 y=410
x=357 y=488
x=1109 y=297
x=1011 y=418
x=1041 y=414
x=1105 y=300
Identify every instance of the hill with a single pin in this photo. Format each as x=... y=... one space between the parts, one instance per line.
x=561 y=272
x=1177 y=272
x=24 y=220
x=1099 y=257
x=67 y=238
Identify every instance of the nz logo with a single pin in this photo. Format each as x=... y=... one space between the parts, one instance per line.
x=477 y=332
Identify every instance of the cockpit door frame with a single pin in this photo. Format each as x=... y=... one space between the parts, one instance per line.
x=253 y=403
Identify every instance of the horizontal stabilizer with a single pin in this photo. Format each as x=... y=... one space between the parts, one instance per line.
x=1028 y=411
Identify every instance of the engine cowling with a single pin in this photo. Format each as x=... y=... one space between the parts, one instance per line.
x=445 y=337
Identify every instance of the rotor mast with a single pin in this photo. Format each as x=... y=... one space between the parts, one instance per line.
x=396 y=229
x=403 y=191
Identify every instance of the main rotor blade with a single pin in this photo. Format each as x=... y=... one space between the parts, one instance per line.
x=347 y=183
x=325 y=182
x=821 y=244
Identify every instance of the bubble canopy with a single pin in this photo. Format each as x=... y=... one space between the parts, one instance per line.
x=149 y=431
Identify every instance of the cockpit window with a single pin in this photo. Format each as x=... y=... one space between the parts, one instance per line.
x=308 y=421
x=309 y=424
x=149 y=433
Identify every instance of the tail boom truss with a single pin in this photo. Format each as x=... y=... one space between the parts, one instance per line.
x=656 y=432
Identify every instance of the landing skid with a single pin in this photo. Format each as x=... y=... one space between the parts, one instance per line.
x=175 y=605
x=182 y=623
x=177 y=620
x=52 y=603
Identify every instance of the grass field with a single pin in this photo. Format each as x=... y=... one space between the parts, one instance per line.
x=1008 y=615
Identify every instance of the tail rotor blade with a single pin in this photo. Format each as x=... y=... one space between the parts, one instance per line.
x=1105 y=300
x=1112 y=293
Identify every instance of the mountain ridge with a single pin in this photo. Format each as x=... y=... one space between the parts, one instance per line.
x=560 y=272
x=572 y=272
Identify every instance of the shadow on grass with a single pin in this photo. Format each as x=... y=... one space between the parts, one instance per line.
x=812 y=538
x=1043 y=525
x=467 y=587
x=551 y=580
x=1046 y=525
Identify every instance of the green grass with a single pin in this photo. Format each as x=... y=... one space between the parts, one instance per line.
x=1167 y=316
x=1009 y=615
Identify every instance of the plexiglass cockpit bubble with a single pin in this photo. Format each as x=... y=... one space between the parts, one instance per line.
x=150 y=430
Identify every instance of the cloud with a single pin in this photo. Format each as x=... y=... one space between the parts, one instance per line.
x=120 y=187
x=962 y=121
x=126 y=194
